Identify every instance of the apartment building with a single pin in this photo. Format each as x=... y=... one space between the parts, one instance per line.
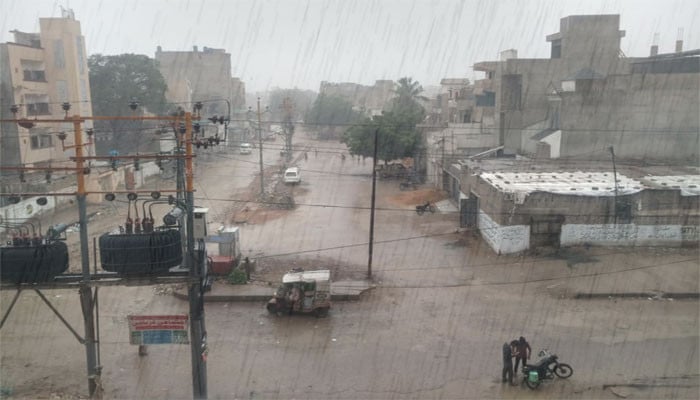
x=38 y=73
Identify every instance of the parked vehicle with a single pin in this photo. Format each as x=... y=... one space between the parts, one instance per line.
x=428 y=206
x=246 y=148
x=292 y=175
x=546 y=368
x=302 y=292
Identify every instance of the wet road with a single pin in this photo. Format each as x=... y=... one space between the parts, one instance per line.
x=432 y=328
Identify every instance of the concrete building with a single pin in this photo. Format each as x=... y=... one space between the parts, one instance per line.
x=201 y=76
x=370 y=100
x=518 y=205
x=588 y=96
x=39 y=72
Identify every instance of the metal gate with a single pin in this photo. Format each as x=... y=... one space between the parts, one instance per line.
x=545 y=230
x=468 y=211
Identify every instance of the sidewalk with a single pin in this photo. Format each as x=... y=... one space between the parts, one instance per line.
x=223 y=292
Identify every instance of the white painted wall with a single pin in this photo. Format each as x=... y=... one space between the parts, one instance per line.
x=554 y=142
x=504 y=239
x=626 y=234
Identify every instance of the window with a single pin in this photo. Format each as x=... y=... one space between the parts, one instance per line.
x=556 y=48
x=59 y=60
x=36 y=104
x=62 y=91
x=81 y=59
x=40 y=139
x=33 y=70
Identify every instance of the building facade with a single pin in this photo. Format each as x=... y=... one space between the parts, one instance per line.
x=38 y=73
x=370 y=100
x=518 y=205
x=588 y=96
x=201 y=75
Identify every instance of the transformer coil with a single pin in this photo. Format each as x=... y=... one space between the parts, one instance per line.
x=33 y=264
x=142 y=253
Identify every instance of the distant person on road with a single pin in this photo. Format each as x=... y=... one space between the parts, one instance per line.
x=522 y=352
x=507 y=373
x=306 y=156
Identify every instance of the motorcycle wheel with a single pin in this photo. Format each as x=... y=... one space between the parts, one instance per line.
x=431 y=208
x=531 y=385
x=563 y=370
x=420 y=211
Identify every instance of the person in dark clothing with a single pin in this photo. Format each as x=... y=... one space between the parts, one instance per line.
x=507 y=374
x=522 y=353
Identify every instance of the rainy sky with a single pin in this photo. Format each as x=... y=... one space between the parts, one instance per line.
x=298 y=43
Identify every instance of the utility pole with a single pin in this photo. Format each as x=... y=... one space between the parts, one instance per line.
x=371 y=215
x=287 y=105
x=87 y=301
x=260 y=141
x=612 y=152
x=195 y=290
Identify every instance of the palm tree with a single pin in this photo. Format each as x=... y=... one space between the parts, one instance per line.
x=408 y=94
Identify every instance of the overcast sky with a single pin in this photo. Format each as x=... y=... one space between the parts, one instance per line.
x=298 y=43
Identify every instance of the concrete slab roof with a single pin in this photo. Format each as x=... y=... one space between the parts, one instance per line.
x=689 y=185
x=570 y=183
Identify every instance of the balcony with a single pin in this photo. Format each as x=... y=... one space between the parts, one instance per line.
x=34 y=76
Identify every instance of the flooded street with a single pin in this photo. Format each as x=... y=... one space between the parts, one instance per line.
x=432 y=327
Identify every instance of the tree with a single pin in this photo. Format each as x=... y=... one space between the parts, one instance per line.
x=330 y=112
x=397 y=134
x=408 y=96
x=116 y=81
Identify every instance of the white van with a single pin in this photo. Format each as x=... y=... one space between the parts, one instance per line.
x=292 y=175
x=246 y=148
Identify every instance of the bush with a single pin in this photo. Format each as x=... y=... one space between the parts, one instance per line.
x=237 y=277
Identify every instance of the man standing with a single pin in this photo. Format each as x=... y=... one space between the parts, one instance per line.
x=522 y=353
x=507 y=363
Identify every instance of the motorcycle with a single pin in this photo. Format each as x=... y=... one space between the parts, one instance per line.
x=546 y=368
x=428 y=206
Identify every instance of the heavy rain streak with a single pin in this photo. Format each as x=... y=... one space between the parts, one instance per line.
x=326 y=199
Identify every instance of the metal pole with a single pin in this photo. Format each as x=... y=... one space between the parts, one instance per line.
x=228 y=119
x=260 y=148
x=199 y=367
x=86 y=299
x=371 y=215
x=612 y=152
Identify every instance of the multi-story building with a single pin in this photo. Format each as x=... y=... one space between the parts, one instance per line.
x=370 y=100
x=38 y=73
x=589 y=96
x=201 y=76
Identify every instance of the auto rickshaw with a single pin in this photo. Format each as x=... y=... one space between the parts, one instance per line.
x=302 y=292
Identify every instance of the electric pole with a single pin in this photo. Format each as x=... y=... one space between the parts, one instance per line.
x=612 y=152
x=260 y=141
x=288 y=106
x=371 y=215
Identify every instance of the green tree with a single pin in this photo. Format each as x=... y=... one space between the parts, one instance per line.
x=408 y=97
x=396 y=129
x=329 y=113
x=116 y=81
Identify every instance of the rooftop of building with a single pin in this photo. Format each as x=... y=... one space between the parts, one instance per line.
x=582 y=178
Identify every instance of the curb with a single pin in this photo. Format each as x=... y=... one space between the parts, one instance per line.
x=235 y=298
x=678 y=295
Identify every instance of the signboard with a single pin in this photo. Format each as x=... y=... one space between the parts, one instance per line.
x=158 y=329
